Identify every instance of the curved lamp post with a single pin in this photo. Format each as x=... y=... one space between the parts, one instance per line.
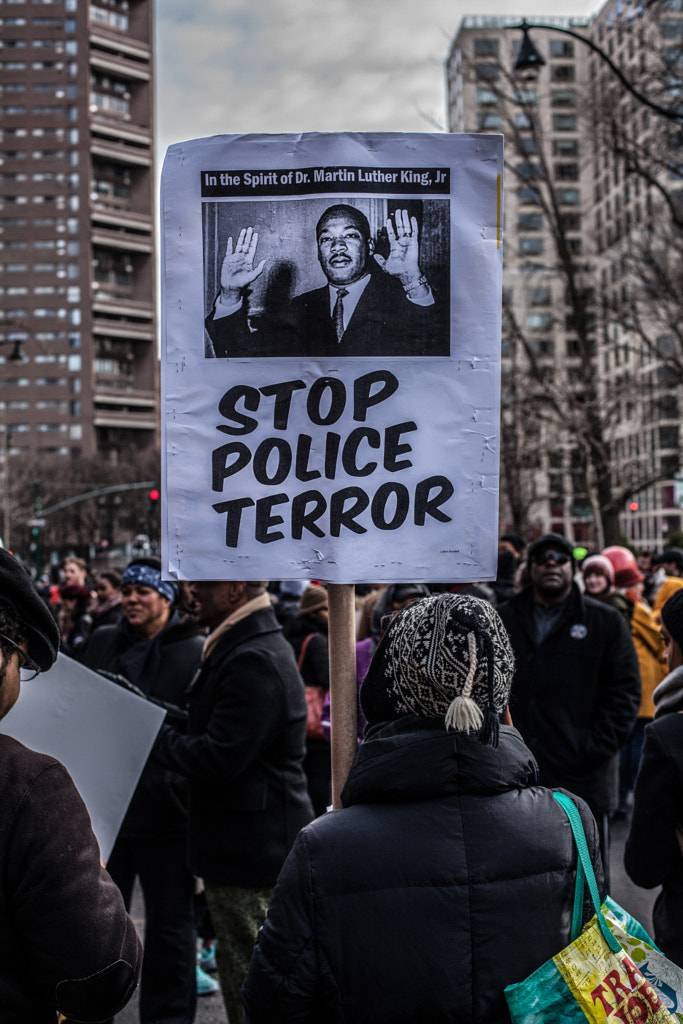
x=529 y=60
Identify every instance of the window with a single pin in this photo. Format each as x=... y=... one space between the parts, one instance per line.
x=487 y=72
x=570 y=221
x=561 y=48
x=526 y=145
x=566 y=172
x=526 y=97
x=536 y=321
x=484 y=47
x=562 y=98
x=565 y=147
x=568 y=196
x=485 y=122
x=523 y=120
x=528 y=171
x=486 y=98
x=562 y=73
x=531 y=246
x=564 y=122
x=538 y=296
x=529 y=195
x=113 y=19
x=530 y=222
x=671 y=29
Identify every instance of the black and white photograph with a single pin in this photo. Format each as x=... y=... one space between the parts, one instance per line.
x=315 y=278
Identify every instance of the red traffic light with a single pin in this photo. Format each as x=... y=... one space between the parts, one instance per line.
x=633 y=506
x=154 y=495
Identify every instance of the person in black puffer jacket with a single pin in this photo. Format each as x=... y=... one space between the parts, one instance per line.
x=449 y=873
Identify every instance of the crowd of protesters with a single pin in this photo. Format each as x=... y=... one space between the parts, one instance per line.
x=559 y=674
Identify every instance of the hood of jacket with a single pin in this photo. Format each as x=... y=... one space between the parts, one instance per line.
x=417 y=759
x=668 y=696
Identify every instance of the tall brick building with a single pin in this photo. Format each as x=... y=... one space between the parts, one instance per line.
x=77 y=266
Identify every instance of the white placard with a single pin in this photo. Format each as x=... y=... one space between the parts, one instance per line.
x=101 y=732
x=303 y=441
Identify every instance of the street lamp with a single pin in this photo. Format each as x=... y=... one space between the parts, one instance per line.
x=530 y=60
x=16 y=356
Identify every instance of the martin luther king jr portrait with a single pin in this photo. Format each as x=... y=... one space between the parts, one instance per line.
x=379 y=293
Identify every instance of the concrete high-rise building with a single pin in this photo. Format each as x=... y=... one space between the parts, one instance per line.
x=77 y=265
x=575 y=209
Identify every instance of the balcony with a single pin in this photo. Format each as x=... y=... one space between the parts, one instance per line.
x=141 y=401
x=138 y=222
x=121 y=66
x=121 y=152
x=100 y=124
x=121 y=328
x=123 y=239
x=124 y=307
x=114 y=42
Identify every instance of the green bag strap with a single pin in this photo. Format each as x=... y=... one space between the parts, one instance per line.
x=584 y=868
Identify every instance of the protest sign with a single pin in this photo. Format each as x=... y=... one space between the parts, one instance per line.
x=331 y=357
x=101 y=732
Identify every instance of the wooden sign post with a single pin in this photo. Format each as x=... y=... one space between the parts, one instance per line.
x=343 y=686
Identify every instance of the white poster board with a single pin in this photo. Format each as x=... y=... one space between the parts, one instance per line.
x=101 y=732
x=303 y=441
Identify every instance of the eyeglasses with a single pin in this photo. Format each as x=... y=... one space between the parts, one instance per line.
x=545 y=557
x=29 y=669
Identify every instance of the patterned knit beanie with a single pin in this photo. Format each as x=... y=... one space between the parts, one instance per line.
x=447 y=657
x=672 y=616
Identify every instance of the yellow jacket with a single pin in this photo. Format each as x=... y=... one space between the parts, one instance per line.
x=650 y=650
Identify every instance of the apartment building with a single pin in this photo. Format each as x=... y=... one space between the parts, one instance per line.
x=573 y=209
x=77 y=268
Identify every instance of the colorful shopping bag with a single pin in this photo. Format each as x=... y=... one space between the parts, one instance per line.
x=611 y=972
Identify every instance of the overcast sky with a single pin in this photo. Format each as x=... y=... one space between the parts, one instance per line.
x=233 y=66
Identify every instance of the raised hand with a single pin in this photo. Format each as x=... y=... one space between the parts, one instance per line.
x=404 y=251
x=238 y=270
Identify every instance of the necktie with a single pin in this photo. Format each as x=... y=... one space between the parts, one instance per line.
x=338 y=313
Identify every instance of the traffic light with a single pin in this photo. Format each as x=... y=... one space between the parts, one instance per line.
x=633 y=506
x=154 y=500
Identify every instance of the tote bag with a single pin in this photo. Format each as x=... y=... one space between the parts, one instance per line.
x=611 y=972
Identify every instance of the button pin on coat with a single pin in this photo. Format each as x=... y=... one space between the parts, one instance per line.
x=578 y=631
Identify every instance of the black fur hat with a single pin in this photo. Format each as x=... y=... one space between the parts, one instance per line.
x=19 y=594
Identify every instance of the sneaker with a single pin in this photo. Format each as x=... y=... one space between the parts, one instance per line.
x=207 y=958
x=206 y=985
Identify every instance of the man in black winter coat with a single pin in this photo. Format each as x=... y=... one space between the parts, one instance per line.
x=449 y=873
x=576 y=691
x=243 y=757
x=67 y=944
x=158 y=653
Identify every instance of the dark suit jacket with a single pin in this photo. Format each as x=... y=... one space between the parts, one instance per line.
x=384 y=323
x=243 y=755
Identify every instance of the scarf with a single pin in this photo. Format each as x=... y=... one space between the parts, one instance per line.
x=668 y=696
x=256 y=603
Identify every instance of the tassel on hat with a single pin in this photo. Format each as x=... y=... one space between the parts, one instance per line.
x=445 y=657
x=464 y=714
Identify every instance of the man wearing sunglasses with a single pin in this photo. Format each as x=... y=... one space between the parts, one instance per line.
x=576 y=691
x=66 y=943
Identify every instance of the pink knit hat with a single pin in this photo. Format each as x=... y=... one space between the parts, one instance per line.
x=599 y=562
